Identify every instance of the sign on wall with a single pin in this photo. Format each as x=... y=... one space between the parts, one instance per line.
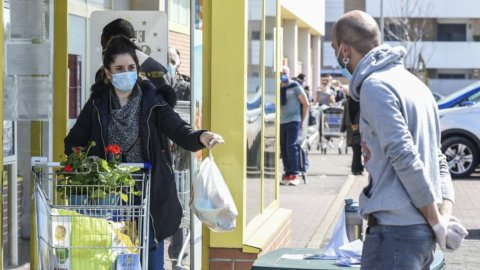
x=151 y=28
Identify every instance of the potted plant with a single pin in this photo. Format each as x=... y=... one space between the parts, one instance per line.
x=93 y=180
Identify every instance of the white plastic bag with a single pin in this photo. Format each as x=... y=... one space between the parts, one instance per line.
x=212 y=202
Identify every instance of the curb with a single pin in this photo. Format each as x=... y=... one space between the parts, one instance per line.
x=332 y=215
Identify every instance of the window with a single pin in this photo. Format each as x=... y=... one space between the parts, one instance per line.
x=328 y=30
x=452 y=32
x=179 y=15
x=451 y=76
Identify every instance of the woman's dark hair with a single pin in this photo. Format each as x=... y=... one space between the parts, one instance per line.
x=119 y=45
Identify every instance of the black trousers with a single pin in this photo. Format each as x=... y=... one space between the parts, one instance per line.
x=357 y=166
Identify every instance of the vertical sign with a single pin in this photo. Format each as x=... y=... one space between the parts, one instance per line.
x=151 y=28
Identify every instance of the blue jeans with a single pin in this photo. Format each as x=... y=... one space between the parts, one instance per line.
x=155 y=252
x=290 y=147
x=398 y=247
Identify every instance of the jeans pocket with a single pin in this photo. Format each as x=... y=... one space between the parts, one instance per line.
x=414 y=252
x=372 y=250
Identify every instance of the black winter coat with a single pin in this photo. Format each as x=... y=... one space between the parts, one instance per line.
x=158 y=121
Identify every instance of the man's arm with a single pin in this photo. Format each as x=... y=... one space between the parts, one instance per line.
x=305 y=105
x=448 y=193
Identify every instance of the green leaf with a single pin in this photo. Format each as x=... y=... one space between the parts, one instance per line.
x=124 y=197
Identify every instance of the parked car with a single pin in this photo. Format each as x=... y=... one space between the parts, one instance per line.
x=463 y=97
x=437 y=96
x=461 y=139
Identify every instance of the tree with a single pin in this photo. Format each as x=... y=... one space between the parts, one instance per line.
x=409 y=26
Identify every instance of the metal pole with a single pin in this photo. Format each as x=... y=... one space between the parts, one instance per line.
x=382 y=23
x=195 y=232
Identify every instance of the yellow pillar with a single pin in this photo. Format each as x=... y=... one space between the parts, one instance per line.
x=60 y=77
x=227 y=94
x=225 y=59
x=2 y=64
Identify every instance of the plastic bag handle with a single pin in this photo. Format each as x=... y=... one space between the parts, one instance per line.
x=210 y=149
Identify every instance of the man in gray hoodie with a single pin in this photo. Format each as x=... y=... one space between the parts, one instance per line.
x=408 y=201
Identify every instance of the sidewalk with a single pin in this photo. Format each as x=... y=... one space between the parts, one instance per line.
x=315 y=206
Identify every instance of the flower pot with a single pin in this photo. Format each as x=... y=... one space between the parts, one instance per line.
x=105 y=207
x=80 y=200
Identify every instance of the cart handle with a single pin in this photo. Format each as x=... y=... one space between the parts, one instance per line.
x=42 y=161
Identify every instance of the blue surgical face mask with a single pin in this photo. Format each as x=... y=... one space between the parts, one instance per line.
x=345 y=72
x=124 y=81
x=172 y=69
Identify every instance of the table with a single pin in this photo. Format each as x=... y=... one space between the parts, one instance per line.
x=274 y=261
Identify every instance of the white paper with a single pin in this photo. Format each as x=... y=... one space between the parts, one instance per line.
x=339 y=238
x=294 y=256
x=10 y=99
x=34 y=98
x=28 y=59
x=34 y=26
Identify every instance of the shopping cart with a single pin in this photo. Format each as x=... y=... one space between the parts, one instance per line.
x=182 y=180
x=331 y=123
x=78 y=230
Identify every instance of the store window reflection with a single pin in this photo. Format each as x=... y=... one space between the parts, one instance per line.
x=270 y=110
x=254 y=109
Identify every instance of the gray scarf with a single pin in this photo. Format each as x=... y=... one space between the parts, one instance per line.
x=124 y=126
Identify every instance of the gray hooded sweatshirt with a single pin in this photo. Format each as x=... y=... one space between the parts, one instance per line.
x=400 y=132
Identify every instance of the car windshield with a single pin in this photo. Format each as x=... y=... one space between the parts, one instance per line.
x=461 y=92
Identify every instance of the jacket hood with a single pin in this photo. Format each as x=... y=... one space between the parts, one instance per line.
x=378 y=58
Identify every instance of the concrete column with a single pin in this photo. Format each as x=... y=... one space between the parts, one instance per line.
x=304 y=54
x=290 y=45
x=316 y=56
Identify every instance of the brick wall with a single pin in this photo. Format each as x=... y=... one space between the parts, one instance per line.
x=5 y=207
x=182 y=43
x=236 y=259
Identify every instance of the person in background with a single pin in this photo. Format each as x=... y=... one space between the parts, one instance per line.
x=339 y=92
x=325 y=95
x=149 y=67
x=350 y=120
x=293 y=112
x=409 y=198
x=301 y=79
x=125 y=109
x=180 y=82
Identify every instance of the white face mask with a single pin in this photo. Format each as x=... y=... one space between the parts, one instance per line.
x=345 y=72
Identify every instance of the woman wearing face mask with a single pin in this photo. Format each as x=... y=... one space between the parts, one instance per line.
x=125 y=109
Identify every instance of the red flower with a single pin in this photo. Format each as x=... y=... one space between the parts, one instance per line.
x=68 y=168
x=108 y=149
x=115 y=149
x=77 y=150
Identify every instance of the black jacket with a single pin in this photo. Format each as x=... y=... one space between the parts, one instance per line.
x=158 y=121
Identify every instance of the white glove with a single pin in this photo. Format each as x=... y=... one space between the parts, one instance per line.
x=440 y=231
x=455 y=235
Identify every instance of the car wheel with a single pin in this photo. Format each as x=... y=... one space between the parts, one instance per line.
x=462 y=156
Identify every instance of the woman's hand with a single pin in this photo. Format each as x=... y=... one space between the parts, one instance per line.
x=210 y=139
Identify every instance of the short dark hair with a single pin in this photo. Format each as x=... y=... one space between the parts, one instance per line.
x=358 y=29
x=117 y=27
x=119 y=45
x=301 y=76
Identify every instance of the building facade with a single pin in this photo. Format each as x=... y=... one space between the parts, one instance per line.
x=441 y=37
x=233 y=50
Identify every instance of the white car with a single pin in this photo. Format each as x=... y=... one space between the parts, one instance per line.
x=461 y=139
